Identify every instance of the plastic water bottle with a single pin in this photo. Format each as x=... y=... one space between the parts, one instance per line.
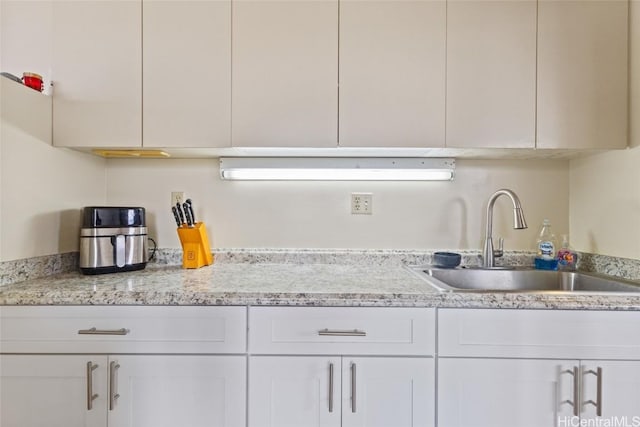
x=546 y=248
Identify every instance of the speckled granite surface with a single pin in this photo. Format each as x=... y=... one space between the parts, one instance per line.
x=288 y=277
x=612 y=266
x=284 y=283
x=33 y=268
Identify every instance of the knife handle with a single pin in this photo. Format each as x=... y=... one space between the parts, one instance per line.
x=180 y=213
x=175 y=215
x=187 y=214
x=193 y=217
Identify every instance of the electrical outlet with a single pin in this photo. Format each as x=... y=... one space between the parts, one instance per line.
x=177 y=197
x=361 y=203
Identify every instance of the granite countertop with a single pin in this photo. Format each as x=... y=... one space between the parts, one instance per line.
x=308 y=284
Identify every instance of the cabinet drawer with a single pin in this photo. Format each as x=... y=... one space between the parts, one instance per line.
x=130 y=329
x=341 y=330
x=539 y=333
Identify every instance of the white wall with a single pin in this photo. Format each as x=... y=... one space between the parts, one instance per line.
x=428 y=215
x=42 y=190
x=605 y=188
x=605 y=204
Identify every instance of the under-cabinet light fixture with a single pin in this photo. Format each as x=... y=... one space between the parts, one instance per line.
x=138 y=154
x=337 y=169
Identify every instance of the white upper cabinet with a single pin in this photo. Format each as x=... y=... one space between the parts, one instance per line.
x=285 y=73
x=97 y=73
x=392 y=73
x=187 y=73
x=491 y=73
x=582 y=74
x=548 y=74
x=25 y=29
x=16 y=100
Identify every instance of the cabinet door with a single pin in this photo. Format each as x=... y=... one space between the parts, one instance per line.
x=52 y=391
x=285 y=73
x=169 y=391
x=294 y=391
x=504 y=392
x=392 y=73
x=491 y=73
x=383 y=392
x=582 y=74
x=97 y=73
x=187 y=73
x=620 y=382
x=25 y=26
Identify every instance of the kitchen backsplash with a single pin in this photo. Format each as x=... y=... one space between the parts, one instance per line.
x=32 y=268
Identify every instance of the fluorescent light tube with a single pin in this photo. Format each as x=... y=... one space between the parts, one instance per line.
x=336 y=169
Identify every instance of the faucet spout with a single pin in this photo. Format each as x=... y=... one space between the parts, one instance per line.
x=488 y=256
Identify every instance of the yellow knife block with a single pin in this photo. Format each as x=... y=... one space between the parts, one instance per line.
x=196 y=252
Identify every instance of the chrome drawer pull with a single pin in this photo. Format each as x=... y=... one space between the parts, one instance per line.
x=336 y=333
x=90 y=395
x=576 y=390
x=598 y=402
x=353 y=388
x=94 y=331
x=113 y=392
x=330 y=387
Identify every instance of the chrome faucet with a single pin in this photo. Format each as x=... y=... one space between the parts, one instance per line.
x=488 y=253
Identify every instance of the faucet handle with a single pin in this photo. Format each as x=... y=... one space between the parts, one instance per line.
x=500 y=251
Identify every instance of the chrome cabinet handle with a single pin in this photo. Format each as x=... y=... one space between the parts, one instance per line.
x=113 y=394
x=95 y=331
x=598 y=402
x=342 y=333
x=353 y=388
x=576 y=390
x=330 y=387
x=90 y=396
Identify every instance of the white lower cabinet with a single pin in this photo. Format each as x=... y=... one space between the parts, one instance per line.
x=387 y=392
x=504 y=392
x=538 y=368
x=537 y=393
x=317 y=367
x=118 y=366
x=169 y=391
x=125 y=391
x=294 y=391
x=341 y=366
x=320 y=391
x=52 y=391
x=619 y=396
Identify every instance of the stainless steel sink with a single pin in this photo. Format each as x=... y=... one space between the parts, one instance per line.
x=467 y=279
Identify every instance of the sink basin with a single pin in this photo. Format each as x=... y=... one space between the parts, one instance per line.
x=522 y=280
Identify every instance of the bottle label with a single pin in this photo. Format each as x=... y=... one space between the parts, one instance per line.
x=547 y=249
